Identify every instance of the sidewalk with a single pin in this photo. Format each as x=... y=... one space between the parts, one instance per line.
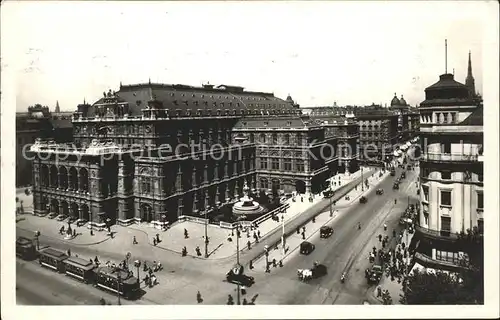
x=293 y=242
x=394 y=287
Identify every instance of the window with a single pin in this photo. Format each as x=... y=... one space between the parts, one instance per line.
x=426 y=192
x=446 y=147
x=289 y=123
x=480 y=204
x=262 y=138
x=266 y=123
x=446 y=198
x=299 y=139
x=252 y=138
x=480 y=225
x=446 y=175
x=146 y=186
x=287 y=139
x=299 y=164
x=263 y=163
x=275 y=163
x=275 y=138
x=287 y=164
x=445 y=224
x=452 y=257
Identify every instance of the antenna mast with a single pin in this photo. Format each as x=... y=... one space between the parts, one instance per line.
x=445 y=55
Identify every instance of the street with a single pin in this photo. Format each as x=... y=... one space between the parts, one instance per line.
x=36 y=285
x=182 y=277
x=345 y=251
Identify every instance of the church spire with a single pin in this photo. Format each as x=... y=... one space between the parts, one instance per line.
x=57 y=110
x=469 y=81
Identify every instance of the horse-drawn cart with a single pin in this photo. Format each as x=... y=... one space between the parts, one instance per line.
x=318 y=270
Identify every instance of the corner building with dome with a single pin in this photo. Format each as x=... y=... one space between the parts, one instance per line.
x=132 y=159
x=451 y=171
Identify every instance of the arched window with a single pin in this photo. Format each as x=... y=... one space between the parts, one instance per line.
x=299 y=139
x=146 y=185
x=262 y=138
x=287 y=139
x=275 y=138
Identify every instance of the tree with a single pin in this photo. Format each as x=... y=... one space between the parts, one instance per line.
x=465 y=286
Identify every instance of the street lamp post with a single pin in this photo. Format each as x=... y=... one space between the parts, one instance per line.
x=119 y=278
x=137 y=264
x=362 y=181
x=91 y=229
x=206 y=232
x=37 y=235
x=238 y=264
x=283 y=233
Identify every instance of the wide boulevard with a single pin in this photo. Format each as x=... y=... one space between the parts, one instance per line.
x=345 y=251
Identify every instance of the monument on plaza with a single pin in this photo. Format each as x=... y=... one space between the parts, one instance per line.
x=247 y=206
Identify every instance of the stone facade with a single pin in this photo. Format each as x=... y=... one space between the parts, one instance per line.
x=153 y=152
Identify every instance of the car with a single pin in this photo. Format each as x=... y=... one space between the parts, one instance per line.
x=393 y=172
x=325 y=231
x=395 y=186
x=306 y=247
x=408 y=167
x=363 y=200
x=328 y=193
x=403 y=175
x=380 y=191
x=375 y=274
x=236 y=275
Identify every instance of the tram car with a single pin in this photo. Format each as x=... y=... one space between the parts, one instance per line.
x=81 y=269
x=117 y=281
x=106 y=278
x=52 y=259
x=25 y=249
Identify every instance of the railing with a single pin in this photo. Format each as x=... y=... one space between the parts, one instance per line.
x=450 y=157
x=437 y=233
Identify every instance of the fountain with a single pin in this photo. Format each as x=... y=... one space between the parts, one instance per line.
x=247 y=206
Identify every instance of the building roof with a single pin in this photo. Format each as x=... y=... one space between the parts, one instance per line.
x=446 y=81
x=181 y=98
x=474 y=119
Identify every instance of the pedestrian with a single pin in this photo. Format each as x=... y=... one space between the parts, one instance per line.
x=304 y=229
x=69 y=252
x=303 y=235
x=385 y=226
x=249 y=245
x=258 y=233
x=74 y=233
x=198 y=297
x=158 y=238
x=230 y=300
x=274 y=263
x=280 y=263
x=244 y=301
x=298 y=230
x=134 y=241
x=379 y=238
x=61 y=231
x=379 y=291
x=154 y=241
x=145 y=267
x=186 y=235
x=198 y=251
x=250 y=265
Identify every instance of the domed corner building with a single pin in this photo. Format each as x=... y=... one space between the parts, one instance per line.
x=451 y=173
x=408 y=119
x=150 y=153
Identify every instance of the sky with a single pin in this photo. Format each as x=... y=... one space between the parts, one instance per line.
x=355 y=53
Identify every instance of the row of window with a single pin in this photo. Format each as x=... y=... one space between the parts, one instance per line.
x=446 y=200
x=287 y=164
x=274 y=138
x=445 y=174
